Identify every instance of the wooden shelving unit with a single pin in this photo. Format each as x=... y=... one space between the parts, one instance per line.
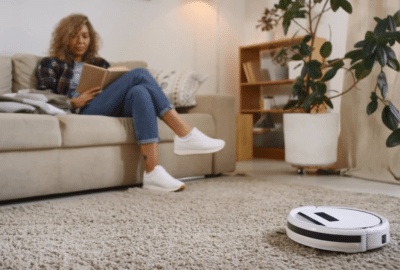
x=250 y=96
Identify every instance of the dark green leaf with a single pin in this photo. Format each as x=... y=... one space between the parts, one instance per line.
x=374 y=96
x=307 y=39
x=296 y=57
x=370 y=47
x=290 y=104
x=369 y=62
x=313 y=68
x=360 y=71
x=286 y=25
x=354 y=54
x=389 y=119
x=395 y=111
x=335 y=4
x=337 y=65
x=283 y=4
x=393 y=139
x=382 y=84
x=394 y=64
x=381 y=27
x=372 y=106
x=377 y=19
x=329 y=75
x=369 y=34
x=326 y=49
x=305 y=50
x=328 y=102
x=389 y=35
x=391 y=24
x=396 y=18
x=389 y=52
x=360 y=44
x=346 y=6
x=381 y=55
x=310 y=100
x=297 y=90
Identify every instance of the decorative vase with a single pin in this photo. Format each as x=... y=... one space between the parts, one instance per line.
x=311 y=139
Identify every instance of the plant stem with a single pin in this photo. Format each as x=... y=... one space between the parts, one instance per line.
x=348 y=90
x=301 y=26
x=321 y=13
x=333 y=63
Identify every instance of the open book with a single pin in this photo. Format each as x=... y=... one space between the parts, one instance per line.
x=94 y=76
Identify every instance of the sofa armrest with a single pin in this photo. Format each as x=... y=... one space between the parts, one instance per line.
x=222 y=109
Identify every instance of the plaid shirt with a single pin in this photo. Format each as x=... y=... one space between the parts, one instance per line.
x=56 y=75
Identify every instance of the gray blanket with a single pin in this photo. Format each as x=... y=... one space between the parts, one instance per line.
x=35 y=101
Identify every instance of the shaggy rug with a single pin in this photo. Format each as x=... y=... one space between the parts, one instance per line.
x=230 y=222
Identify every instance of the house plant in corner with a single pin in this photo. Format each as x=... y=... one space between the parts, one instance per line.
x=307 y=129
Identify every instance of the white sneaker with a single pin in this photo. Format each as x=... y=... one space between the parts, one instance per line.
x=197 y=142
x=160 y=179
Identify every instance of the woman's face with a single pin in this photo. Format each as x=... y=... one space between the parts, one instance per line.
x=79 y=44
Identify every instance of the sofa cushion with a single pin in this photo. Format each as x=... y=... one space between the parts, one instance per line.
x=28 y=131
x=130 y=64
x=24 y=67
x=5 y=74
x=179 y=86
x=91 y=130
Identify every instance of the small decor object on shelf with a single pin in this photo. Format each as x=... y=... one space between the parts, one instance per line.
x=268 y=102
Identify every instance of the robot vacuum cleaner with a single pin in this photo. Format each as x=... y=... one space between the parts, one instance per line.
x=340 y=229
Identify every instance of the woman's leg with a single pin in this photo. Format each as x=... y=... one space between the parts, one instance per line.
x=150 y=154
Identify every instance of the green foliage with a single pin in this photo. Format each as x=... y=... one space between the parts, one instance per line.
x=310 y=88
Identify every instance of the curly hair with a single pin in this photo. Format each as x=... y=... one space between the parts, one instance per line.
x=66 y=29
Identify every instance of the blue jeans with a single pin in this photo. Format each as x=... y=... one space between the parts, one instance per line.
x=135 y=94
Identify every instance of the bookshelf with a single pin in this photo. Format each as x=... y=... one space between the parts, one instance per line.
x=252 y=86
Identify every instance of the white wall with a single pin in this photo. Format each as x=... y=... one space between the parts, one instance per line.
x=167 y=34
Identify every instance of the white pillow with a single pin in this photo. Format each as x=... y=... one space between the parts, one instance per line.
x=179 y=86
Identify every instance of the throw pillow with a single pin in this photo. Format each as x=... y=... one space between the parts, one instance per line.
x=24 y=66
x=5 y=75
x=179 y=86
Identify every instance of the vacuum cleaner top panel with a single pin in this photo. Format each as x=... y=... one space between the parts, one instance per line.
x=340 y=218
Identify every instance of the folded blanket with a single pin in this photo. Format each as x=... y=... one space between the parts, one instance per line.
x=35 y=101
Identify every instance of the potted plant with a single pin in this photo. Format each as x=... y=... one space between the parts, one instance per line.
x=310 y=88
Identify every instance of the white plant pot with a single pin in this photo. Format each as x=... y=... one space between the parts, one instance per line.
x=311 y=139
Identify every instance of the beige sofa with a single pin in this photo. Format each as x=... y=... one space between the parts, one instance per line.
x=44 y=154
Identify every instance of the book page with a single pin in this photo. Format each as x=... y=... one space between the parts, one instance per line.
x=111 y=76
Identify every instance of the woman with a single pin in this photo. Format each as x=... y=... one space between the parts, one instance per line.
x=135 y=94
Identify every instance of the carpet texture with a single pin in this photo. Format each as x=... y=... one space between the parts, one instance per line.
x=231 y=222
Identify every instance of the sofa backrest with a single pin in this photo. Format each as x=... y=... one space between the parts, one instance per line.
x=19 y=71
x=5 y=74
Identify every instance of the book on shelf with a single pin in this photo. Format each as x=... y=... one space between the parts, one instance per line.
x=94 y=76
x=252 y=71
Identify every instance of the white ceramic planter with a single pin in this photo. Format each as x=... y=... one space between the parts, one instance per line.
x=311 y=139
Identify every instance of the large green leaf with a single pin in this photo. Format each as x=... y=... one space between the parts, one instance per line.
x=370 y=46
x=337 y=65
x=360 y=44
x=283 y=4
x=310 y=100
x=381 y=56
x=381 y=27
x=382 y=84
x=394 y=64
x=395 y=111
x=369 y=62
x=396 y=18
x=307 y=38
x=360 y=71
x=329 y=75
x=393 y=139
x=391 y=24
x=355 y=55
x=335 y=4
x=291 y=104
x=328 y=102
x=326 y=49
x=389 y=52
x=372 y=106
x=346 y=6
x=313 y=69
x=389 y=119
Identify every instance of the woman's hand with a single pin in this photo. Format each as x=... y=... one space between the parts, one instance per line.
x=85 y=97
